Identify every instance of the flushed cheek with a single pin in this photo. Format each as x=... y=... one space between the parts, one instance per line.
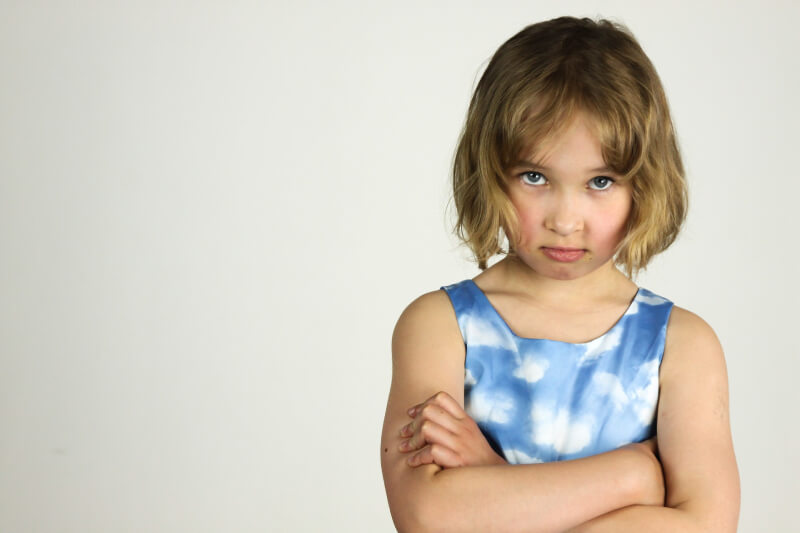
x=614 y=228
x=531 y=223
x=530 y=235
x=525 y=226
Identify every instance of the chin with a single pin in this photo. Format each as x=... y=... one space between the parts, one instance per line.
x=566 y=275
x=560 y=272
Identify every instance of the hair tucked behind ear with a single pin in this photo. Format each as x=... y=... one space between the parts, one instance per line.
x=531 y=90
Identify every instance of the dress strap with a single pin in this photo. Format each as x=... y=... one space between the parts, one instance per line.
x=465 y=304
x=478 y=321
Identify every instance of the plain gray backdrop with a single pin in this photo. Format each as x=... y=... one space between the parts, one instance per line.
x=212 y=214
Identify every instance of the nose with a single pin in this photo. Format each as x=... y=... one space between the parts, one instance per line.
x=564 y=216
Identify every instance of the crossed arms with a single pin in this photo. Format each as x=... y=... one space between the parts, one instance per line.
x=454 y=481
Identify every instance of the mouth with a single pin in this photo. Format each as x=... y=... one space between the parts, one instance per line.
x=563 y=255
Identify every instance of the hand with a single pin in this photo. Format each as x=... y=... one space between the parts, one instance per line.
x=651 y=486
x=445 y=435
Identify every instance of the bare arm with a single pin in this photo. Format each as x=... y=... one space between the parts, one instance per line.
x=694 y=440
x=428 y=356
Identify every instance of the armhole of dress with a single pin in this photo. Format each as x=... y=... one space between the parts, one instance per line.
x=456 y=294
x=663 y=336
x=662 y=346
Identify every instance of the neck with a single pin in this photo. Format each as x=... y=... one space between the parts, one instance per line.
x=600 y=285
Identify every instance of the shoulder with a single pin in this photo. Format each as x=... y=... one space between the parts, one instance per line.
x=430 y=319
x=691 y=345
x=684 y=323
x=431 y=304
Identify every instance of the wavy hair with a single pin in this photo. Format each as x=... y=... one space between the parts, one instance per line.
x=532 y=88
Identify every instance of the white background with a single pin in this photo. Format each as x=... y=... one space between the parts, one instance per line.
x=212 y=213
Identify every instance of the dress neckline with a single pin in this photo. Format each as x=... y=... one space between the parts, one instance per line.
x=493 y=310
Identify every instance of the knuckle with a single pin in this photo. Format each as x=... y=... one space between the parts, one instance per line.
x=428 y=410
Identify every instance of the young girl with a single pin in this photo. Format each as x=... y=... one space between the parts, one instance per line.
x=550 y=393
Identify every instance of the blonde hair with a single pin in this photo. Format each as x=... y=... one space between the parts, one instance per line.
x=533 y=87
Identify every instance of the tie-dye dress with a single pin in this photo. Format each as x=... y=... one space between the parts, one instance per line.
x=539 y=400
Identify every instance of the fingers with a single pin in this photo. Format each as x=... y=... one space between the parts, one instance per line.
x=436 y=422
x=443 y=400
x=429 y=432
x=435 y=453
x=433 y=413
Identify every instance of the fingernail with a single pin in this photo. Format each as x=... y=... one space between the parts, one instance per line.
x=411 y=411
x=404 y=445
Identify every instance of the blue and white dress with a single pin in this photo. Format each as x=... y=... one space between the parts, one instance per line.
x=540 y=400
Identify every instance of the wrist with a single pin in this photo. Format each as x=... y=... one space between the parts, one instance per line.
x=647 y=479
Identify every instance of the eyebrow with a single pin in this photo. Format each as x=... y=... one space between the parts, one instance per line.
x=539 y=166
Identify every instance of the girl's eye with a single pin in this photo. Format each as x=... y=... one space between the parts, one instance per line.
x=600 y=183
x=532 y=177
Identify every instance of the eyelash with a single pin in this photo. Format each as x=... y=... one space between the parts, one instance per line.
x=611 y=181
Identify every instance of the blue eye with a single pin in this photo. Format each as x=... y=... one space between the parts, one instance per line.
x=600 y=183
x=532 y=177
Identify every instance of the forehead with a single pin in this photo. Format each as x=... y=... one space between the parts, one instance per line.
x=573 y=143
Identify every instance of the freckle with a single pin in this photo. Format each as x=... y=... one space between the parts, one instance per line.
x=385 y=450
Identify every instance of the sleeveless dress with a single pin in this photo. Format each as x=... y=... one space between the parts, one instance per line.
x=540 y=400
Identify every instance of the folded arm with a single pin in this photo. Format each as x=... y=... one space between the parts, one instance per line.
x=694 y=440
x=428 y=356
x=545 y=497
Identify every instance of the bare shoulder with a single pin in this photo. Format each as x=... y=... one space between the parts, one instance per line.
x=431 y=305
x=429 y=319
x=691 y=346
x=427 y=351
x=684 y=322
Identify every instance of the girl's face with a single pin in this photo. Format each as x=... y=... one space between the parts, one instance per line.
x=572 y=210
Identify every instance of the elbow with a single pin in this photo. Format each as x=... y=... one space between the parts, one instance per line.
x=726 y=519
x=419 y=511
x=720 y=517
x=416 y=514
x=719 y=524
x=409 y=519
x=405 y=507
x=404 y=518
x=429 y=518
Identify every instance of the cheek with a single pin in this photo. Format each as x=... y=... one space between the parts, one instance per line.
x=526 y=219
x=527 y=222
x=615 y=220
